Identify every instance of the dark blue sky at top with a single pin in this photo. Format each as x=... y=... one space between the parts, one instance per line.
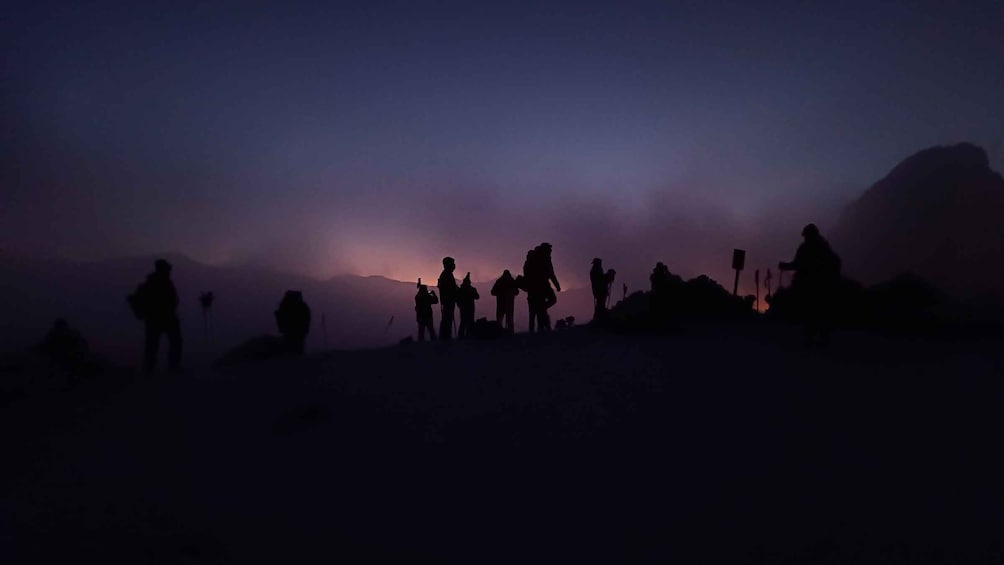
x=324 y=137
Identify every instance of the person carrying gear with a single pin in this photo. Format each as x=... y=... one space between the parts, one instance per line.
x=293 y=319
x=466 y=296
x=424 y=300
x=156 y=303
x=815 y=283
x=505 y=290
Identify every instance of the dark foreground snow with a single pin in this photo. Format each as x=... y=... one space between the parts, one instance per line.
x=720 y=444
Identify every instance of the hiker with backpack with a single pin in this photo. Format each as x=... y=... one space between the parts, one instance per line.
x=156 y=303
x=466 y=296
x=538 y=274
x=424 y=300
x=293 y=320
x=505 y=290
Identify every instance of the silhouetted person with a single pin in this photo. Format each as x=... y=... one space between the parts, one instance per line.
x=447 y=298
x=536 y=296
x=816 y=279
x=465 y=300
x=601 y=290
x=538 y=273
x=660 y=292
x=156 y=303
x=293 y=320
x=424 y=300
x=505 y=290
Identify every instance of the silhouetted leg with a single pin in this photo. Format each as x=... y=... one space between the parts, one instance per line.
x=446 y=324
x=174 y=345
x=499 y=311
x=432 y=331
x=508 y=318
x=151 y=345
x=421 y=331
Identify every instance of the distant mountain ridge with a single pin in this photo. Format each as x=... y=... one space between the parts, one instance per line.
x=937 y=214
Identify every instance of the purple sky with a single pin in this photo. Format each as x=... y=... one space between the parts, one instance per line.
x=319 y=138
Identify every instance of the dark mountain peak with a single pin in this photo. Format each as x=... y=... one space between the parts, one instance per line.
x=930 y=175
x=937 y=214
x=961 y=156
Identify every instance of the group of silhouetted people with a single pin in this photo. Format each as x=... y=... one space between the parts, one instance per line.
x=451 y=298
x=535 y=281
x=155 y=302
x=816 y=267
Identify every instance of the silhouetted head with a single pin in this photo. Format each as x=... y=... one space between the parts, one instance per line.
x=597 y=261
x=546 y=248
x=162 y=267
x=506 y=273
x=810 y=231
x=449 y=264
x=423 y=288
x=467 y=279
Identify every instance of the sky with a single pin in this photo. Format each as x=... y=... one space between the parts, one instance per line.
x=327 y=138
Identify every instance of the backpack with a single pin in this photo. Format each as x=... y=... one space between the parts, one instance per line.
x=139 y=301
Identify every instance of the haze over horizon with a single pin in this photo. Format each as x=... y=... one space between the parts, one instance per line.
x=375 y=139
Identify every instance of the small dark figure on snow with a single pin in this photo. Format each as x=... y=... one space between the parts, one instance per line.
x=424 y=300
x=505 y=290
x=293 y=320
x=465 y=301
x=156 y=303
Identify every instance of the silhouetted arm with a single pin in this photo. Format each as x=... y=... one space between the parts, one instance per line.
x=551 y=276
x=796 y=263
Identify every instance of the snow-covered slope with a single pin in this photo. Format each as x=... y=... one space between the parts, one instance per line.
x=723 y=444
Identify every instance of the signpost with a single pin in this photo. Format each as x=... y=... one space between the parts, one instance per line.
x=738 y=262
